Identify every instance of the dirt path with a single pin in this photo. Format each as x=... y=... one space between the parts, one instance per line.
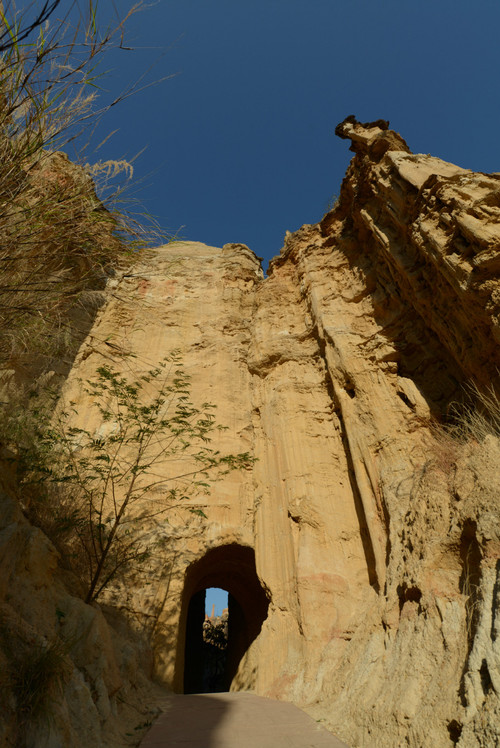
x=235 y=720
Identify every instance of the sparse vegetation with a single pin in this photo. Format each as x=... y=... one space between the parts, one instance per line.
x=465 y=452
x=331 y=203
x=96 y=491
x=64 y=229
x=58 y=241
x=37 y=680
x=470 y=588
x=32 y=676
x=468 y=423
x=479 y=419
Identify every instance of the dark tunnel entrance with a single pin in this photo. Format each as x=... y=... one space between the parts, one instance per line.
x=199 y=668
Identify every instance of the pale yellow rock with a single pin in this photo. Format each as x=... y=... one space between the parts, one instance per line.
x=369 y=543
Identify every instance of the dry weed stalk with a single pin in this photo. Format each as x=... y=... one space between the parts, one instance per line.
x=474 y=422
x=470 y=423
x=471 y=590
x=57 y=239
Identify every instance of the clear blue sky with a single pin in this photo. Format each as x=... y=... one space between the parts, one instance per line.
x=215 y=596
x=240 y=144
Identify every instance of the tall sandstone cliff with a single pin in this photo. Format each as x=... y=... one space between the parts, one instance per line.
x=361 y=549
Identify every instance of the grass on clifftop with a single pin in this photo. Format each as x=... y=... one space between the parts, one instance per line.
x=58 y=241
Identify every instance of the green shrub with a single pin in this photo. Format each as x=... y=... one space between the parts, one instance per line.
x=97 y=492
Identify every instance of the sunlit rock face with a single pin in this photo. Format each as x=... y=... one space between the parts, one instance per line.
x=362 y=553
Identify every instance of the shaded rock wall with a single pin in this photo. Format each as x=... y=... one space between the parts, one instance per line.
x=67 y=678
x=376 y=543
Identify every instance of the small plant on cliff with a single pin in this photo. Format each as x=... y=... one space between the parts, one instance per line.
x=474 y=422
x=469 y=423
x=149 y=454
x=331 y=203
x=32 y=675
x=37 y=679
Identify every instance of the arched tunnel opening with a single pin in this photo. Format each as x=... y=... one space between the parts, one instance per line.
x=199 y=669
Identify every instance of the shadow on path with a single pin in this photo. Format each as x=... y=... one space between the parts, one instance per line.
x=235 y=720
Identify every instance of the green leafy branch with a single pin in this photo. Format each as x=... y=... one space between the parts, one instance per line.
x=150 y=453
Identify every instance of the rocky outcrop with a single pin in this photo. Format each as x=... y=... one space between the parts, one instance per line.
x=433 y=228
x=361 y=551
x=67 y=677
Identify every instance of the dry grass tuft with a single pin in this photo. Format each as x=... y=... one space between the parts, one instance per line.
x=58 y=240
x=470 y=423
x=474 y=422
x=33 y=674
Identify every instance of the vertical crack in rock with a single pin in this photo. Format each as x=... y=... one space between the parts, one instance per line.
x=375 y=573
